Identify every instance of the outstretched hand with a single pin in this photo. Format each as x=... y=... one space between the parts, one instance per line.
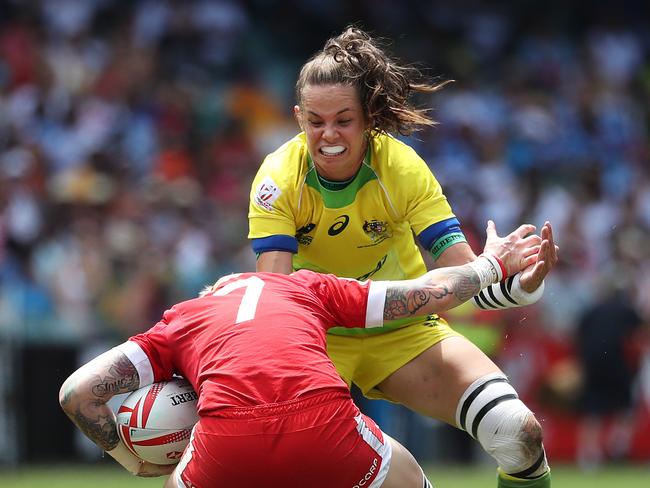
x=531 y=277
x=518 y=250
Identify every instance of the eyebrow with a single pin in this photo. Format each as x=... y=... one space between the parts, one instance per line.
x=337 y=113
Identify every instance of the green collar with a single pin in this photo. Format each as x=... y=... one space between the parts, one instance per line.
x=338 y=194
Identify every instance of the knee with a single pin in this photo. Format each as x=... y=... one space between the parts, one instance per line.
x=531 y=435
x=491 y=412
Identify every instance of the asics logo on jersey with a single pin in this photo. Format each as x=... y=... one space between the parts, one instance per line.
x=301 y=236
x=368 y=477
x=339 y=226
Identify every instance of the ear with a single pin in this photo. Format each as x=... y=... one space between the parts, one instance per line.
x=297 y=113
x=369 y=123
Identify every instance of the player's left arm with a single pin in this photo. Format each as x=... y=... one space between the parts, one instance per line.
x=84 y=396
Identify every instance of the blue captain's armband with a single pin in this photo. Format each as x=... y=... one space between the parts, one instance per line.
x=275 y=243
x=441 y=235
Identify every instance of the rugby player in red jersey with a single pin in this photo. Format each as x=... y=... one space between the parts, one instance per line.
x=273 y=410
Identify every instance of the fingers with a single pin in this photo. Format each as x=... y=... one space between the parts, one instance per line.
x=531 y=251
x=537 y=274
x=151 y=470
x=549 y=249
x=531 y=240
x=530 y=260
x=524 y=230
x=491 y=229
x=522 y=248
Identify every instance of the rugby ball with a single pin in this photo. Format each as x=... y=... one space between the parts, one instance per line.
x=155 y=421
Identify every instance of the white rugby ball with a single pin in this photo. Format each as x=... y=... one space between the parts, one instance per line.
x=155 y=421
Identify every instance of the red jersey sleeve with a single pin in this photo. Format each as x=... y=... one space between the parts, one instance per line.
x=158 y=345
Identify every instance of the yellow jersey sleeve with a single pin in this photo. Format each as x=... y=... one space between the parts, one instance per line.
x=414 y=189
x=273 y=197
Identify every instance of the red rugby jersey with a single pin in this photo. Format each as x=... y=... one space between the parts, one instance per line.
x=256 y=338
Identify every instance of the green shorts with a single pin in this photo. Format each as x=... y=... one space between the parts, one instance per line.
x=368 y=360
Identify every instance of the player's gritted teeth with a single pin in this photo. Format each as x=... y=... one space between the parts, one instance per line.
x=332 y=150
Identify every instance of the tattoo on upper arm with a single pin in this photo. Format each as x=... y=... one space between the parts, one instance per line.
x=403 y=302
x=122 y=377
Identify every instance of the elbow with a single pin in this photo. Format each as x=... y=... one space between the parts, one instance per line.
x=69 y=395
x=66 y=395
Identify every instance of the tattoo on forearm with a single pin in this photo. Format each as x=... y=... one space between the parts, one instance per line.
x=465 y=283
x=101 y=429
x=403 y=302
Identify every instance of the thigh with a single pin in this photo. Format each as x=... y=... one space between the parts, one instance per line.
x=404 y=471
x=433 y=382
x=378 y=356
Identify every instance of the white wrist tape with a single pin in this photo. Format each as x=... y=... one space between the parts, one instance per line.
x=126 y=458
x=498 y=265
x=486 y=269
x=507 y=294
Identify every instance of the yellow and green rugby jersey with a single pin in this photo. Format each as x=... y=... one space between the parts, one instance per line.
x=365 y=230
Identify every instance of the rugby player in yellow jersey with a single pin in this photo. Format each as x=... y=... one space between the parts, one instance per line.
x=345 y=197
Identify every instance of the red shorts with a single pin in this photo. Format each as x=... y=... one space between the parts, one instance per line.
x=321 y=441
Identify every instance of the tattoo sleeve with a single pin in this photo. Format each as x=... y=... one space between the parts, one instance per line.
x=442 y=289
x=84 y=395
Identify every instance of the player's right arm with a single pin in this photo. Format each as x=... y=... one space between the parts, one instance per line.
x=275 y=262
x=84 y=396
x=273 y=200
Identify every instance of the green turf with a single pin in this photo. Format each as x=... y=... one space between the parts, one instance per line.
x=107 y=476
x=563 y=477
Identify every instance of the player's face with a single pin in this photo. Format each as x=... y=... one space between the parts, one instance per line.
x=334 y=122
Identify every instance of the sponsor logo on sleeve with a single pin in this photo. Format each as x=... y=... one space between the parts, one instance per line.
x=267 y=193
x=301 y=234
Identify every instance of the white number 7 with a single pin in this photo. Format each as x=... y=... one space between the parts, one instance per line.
x=248 y=305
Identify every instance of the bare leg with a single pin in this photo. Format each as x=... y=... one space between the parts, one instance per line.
x=404 y=471
x=433 y=382
x=171 y=481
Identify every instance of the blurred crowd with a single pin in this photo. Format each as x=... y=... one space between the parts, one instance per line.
x=130 y=133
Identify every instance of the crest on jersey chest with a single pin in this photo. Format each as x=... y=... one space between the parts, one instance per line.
x=377 y=230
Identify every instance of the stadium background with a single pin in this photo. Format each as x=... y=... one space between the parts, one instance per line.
x=130 y=132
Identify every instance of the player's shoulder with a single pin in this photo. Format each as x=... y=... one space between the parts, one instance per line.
x=399 y=167
x=391 y=154
x=287 y=164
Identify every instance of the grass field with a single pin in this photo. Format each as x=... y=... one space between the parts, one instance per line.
x=106 y=476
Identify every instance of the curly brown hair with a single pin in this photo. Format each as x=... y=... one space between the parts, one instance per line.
x=384 y=86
